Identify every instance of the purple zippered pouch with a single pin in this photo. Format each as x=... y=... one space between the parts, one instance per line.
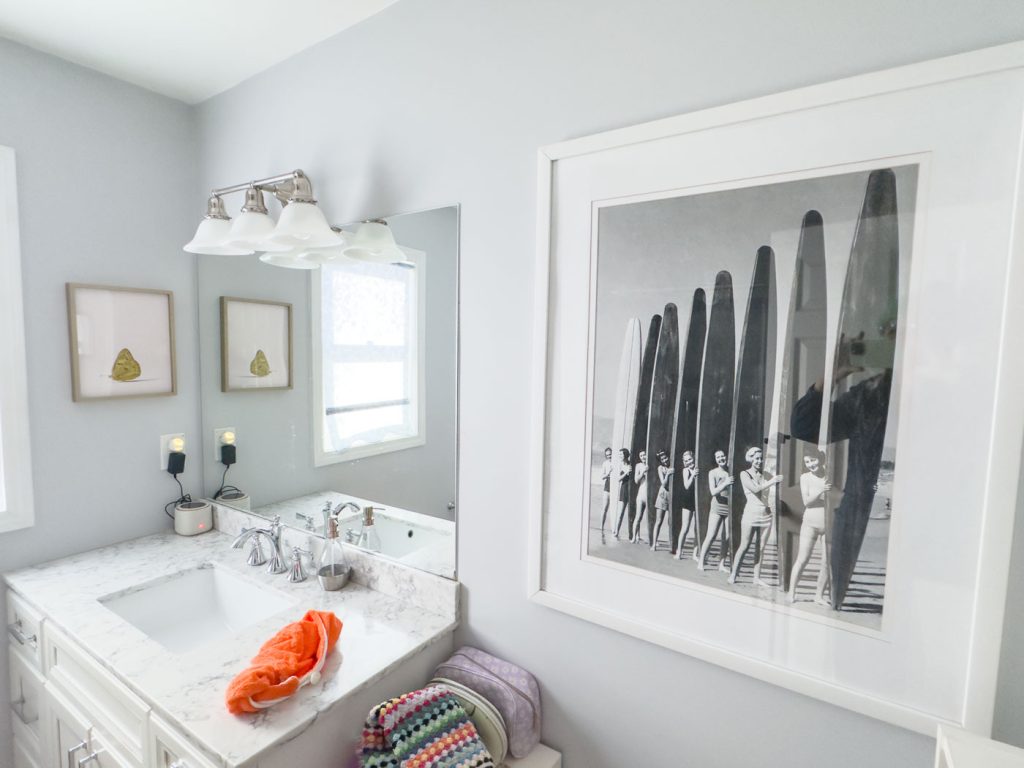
x=511 y=689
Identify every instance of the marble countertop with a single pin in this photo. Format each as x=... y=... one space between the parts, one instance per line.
x=380 y=631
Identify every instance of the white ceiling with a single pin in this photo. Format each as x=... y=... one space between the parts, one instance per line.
x=187 y=49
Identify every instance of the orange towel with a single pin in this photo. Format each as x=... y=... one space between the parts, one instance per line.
x=290 y=659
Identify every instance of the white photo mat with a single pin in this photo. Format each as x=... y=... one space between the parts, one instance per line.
x=122 y=342
x=256 y=344
x=936 y=656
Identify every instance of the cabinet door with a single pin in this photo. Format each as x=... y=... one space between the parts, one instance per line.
x=67 y=731
x=24 y=757
x=171 y=750
x=26 y=701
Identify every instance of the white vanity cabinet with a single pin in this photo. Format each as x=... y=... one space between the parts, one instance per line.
x=92 y=689
x=69 y=712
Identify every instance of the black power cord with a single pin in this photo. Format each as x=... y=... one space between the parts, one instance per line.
x=175 y=466
x=184 y=498
x=227 y=458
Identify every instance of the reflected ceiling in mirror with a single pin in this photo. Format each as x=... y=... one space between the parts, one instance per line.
x=371 y=417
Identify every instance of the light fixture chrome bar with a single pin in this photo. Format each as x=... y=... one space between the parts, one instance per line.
x=293 y=186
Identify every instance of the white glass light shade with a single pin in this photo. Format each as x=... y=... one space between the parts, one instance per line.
x=303 y=225
x=289 y=260
x=249 y=229
x=373 y=241
x=211 y=239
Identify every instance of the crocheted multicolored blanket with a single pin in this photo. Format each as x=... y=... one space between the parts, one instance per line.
x=423 y=729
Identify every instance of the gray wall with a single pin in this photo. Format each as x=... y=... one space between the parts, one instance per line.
x=106 y=175
x=448 y=100
x=426 y=104
x=275 y=440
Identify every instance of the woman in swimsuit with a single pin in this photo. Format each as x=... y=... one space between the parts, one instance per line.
x=606 y=484
x=640 y=479
x=757 y=517
x=720 y=481
x=689 y=476
x=661 y=503
x=623 y=482
x=813 y=487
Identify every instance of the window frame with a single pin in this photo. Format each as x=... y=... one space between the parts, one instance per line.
x=322 y=458
x=15 y=443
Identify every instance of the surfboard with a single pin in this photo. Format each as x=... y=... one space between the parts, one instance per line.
x=643 y=404
x=755 y=381
x=625 y=400
x=714 y=419
x=684 y=437
x=859 y=408
x=803 y=363
x=661 y=416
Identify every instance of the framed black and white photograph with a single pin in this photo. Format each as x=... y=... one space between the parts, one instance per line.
x=743 y=435
x=256 y=344
x=774 y=426
x=122 y=342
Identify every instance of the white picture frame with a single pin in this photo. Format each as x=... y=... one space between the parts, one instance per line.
x=936 y=660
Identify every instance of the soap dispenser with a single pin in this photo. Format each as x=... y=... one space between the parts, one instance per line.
x=369 y=539
x=334 y=569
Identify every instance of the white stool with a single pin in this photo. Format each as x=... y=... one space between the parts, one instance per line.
x=540 y=757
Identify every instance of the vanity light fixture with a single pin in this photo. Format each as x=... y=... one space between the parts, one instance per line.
x=253 y=225
x=375 y=242
x=212 y=233
x=301 y=225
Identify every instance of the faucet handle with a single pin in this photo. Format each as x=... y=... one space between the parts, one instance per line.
x=297 y=573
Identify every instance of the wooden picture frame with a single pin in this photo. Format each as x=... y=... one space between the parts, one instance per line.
x=121 y=342
x=255 y=344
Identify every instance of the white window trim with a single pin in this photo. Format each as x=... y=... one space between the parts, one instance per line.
x=17 y=454
x=322 y=458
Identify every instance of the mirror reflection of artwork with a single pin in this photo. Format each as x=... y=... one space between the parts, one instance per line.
x=122 y=342
x=255 y=332
x=733 y=445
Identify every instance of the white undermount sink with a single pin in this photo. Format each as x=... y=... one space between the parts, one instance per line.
x=196 y=606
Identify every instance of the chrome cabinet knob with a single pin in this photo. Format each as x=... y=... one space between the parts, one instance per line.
x=71 y=752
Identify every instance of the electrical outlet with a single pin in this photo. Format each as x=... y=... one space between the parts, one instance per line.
x=217 y=435
x=165 y=447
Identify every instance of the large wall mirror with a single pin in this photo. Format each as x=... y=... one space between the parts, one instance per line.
x=339 y=383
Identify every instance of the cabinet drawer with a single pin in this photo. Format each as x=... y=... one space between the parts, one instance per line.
x=170 y=749
x=24 y=624
x=115 y=714
x=26 y=700
x=105 y=754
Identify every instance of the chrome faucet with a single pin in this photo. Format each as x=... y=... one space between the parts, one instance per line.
x=345 y=505
x=273 y=535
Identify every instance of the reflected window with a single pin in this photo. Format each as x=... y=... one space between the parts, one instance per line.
x=371 y=358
